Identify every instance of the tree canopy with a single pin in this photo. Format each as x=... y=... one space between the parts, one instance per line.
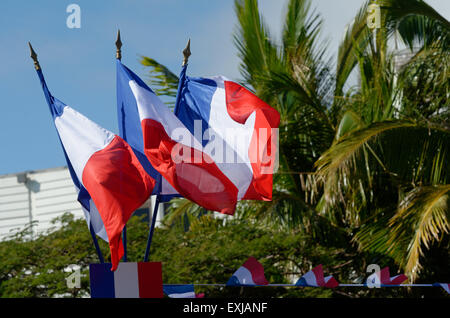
x=205 y=250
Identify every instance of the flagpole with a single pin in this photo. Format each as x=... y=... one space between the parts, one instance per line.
x=97 y=247
x=186 y=54
x=118 y=47
x=124 y=231
x=33 y=55
x=152 y=226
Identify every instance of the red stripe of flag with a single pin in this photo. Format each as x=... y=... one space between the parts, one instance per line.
x=200 y=181
x=118 y=186
x=241 y=103
x=257 y=271
x=150 y=280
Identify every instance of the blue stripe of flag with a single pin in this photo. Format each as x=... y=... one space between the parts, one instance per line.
x=102 y=280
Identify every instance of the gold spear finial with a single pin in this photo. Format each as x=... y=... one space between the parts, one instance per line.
x=118 y=46
x=187 y=52
x=33 y=55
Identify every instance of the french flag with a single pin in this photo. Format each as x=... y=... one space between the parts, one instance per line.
x=92 y=216
x=217 y=109
x=251 y=273
x=105 y=171
x=315 y=278
x=174 y=152
x=383 y=277
x=131 y=130
x=130 y=280
x=443 y=285
x=181 y=291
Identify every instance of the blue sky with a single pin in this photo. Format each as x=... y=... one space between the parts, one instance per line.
x=79 y=63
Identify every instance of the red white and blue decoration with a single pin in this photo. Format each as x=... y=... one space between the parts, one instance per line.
x=105 y=172
x=180 y=158
x=130 y=280
x=131 y=130
x=251 y=273
x=181 y=291
x=446 y=286
x=218 y=147
x=383 y=277
x=315 y=278
x=218 y=111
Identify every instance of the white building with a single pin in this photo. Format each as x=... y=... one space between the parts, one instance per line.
x=42 y=196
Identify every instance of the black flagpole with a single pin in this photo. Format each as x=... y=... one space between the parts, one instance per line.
x=152 y=227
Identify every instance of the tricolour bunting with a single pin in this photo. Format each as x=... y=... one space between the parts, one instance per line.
x=251 y=273
x=174 y=152
x=383 y=277
x=130 y=280
x=315 y=278
x=181 y=291
x=446 y=286
x=104 y=168
x=236 y=128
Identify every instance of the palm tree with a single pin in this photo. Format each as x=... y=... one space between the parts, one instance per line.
x=366 y=163
x=296 y=79
x=378 y=180
x=387 y=168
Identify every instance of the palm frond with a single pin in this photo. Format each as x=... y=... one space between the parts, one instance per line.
x=349 y=122
x=422 y=31
x=414 y=20
x=160 y=78
x=304 y=55
x=364 y=170
x=423 y=217
x=288 y=211
x=356 y=32
x=180 y=208
x=425 y=86
x=374 y=234
x=342 y=152
x=258 y=54
x=420 y=219
x=416 y=156
x=301 y=29
x=398 y=10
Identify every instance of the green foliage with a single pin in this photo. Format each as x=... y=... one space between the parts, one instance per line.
x=363 y=176
x=425 y=85
x=361 y=165
x=208 y=253
x=36 y=268
x=161 y=79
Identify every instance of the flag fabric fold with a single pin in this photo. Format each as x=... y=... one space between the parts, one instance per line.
x=251 y=273
x=315 y=278
x=181 y=291
x=130 y=130
x=219 y=111
x=383 y=277
x=90 y=211
x=175 y=153
x=104 y=169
